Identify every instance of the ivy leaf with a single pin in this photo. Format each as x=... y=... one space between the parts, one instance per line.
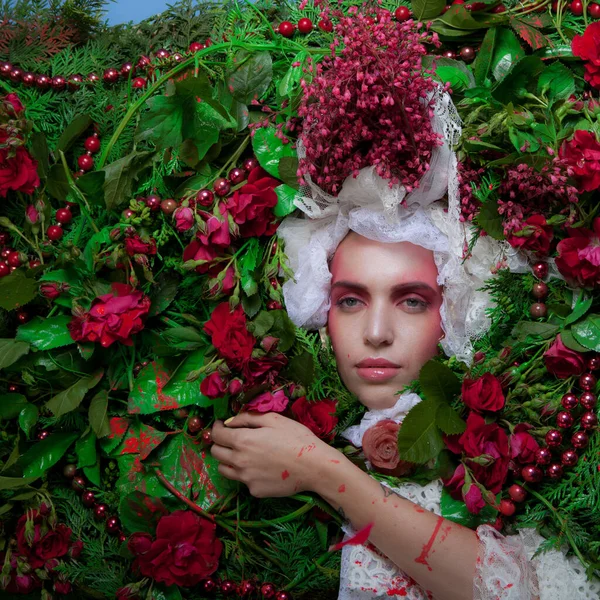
x=71 y=398
x=141 y=512
x=11 y=405
x=269 y=149
x=85 y=448
x=121 y=175
x=11 y=351
x=135 y=476
x=285 y=200
x=507 y=52
x=438 y=382
x=490 y=220
x=46 y=334
x=73 y=131
x=419 y=439
x=98 y=414
x=587 y=332
x=41 y=456
x=141 y=439
x=252 y=78
x=193 y=471
x=28 y=418
x=16 y=290
x=427 y=9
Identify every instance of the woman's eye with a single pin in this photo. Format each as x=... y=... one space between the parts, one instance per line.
x=348 y=302
x=415 y=304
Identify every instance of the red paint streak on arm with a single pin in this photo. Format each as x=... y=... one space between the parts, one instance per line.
x=285 y=474
x=342 y=488
x=419 y=509
x=337 y=462
x=422 y=558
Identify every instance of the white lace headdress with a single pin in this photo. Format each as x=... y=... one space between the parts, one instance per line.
x=368 y=206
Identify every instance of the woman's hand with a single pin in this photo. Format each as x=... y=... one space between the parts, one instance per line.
x=273 y=455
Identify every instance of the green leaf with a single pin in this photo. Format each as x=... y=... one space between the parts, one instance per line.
x=262 y=323
x=39 y=151
x=93 y=246
x=46 y=334
x=569 y=341
x=252 y=78
x=532 y=36
x=11 y=351
x=438 y=382
x=141 y=512
x=118 y=428
x=525 y=329
x=92 y=186
x=68 y=276
x=284 y=329
x=581 y=307
x=163 y=293
x=121 y=175
x=556 y=82
x=162 y=592
x=193 y=471
x=458 y=17
x=98 y=414
x=11 y=405
x=290 y=82
x=28 y=417
x=73 y=131
x=57 y=184
x=427 y=9
x=135 y=476
x=71 y=398
x=16 y=290
x=456 y=510
x=42 y=455
x=301 y=369
x=523 y=139
x=448 y=420
x=521 y=76
x=251 y=304
x=269 y=149
x=13 y=483
x=85 y=448
x=188 y=392
x=483 y=60
x=285 y=200
x=247 y=264
x=141 y=439
x=587 y=332
x=419 y=439
x=490 y=220
x=93 y=474
x=507 y=52
x=288 y=172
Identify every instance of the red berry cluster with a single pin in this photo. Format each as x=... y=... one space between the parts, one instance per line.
x=245 y=589
x=88 y=499
x=539 y=291
x=86 y=161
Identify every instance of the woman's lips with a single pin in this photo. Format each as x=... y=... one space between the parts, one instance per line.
x=377 y=369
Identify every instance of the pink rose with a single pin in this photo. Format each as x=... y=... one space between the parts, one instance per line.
x=184 y=218
x=380 y=445
x=269 y=402
x=535 y=235
x=216 y=231
x=213 y=386
x=578 y=257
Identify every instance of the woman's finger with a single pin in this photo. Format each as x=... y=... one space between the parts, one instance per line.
x=222 y=454
x=223 y=436
x=229 y=472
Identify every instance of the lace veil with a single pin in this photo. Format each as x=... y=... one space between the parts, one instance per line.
x=367 y=205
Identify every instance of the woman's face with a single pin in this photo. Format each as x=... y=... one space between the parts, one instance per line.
x=384 y=321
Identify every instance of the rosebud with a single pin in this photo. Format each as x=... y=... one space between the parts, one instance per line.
x=62 y=587
x=184 y=218
x=235 y=387
x=115 y=234
x=32 y=215
x=51 y=290
x=75 y=549
x=268 y=343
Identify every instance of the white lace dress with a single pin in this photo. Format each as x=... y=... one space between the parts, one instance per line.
x=506 y=569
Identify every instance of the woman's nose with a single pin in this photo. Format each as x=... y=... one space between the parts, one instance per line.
x=379 y=328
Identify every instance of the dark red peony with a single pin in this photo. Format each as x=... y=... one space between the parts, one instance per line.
x=582 y=156
x=484 y=393
x=535 y=236
x=135 y=245
x=318 y=416
x=184 y=551
x=578 y=257
x=229 y=334
x=18 y=170
x=252 y=205
x=380 y=446
x=562 y=361
x=114 y=317
x=481 y=440
x=587 y=47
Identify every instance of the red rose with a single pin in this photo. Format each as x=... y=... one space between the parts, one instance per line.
x=213 y=386
x=139 y=543
x=562 y=361
x=535 y=235
x=223 y=286
x=523 y=445
x=480 y=439
x=215 y=231
x=587 y=47
x=578 y=257
x=53 y=290
x=196 y=250
x=114 y=317
x=380 y=446
x=126 y=593
x=582 y=155
x=229 y=334
x=252 y=205
x=135 y=245
x=268 y=402
x=18 y=170
x=484 y=393
x=318 y=416
x=263 y=369
x=184 y=218
x=15 y=102
x=185 y=550
x=41 y=544
x=62 y=587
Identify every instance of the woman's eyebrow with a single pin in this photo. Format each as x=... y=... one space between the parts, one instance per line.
x=401 y=287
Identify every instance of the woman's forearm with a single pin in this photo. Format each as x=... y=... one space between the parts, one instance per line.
x=439 y=554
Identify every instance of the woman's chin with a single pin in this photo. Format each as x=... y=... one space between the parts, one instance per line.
x=378 y=397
